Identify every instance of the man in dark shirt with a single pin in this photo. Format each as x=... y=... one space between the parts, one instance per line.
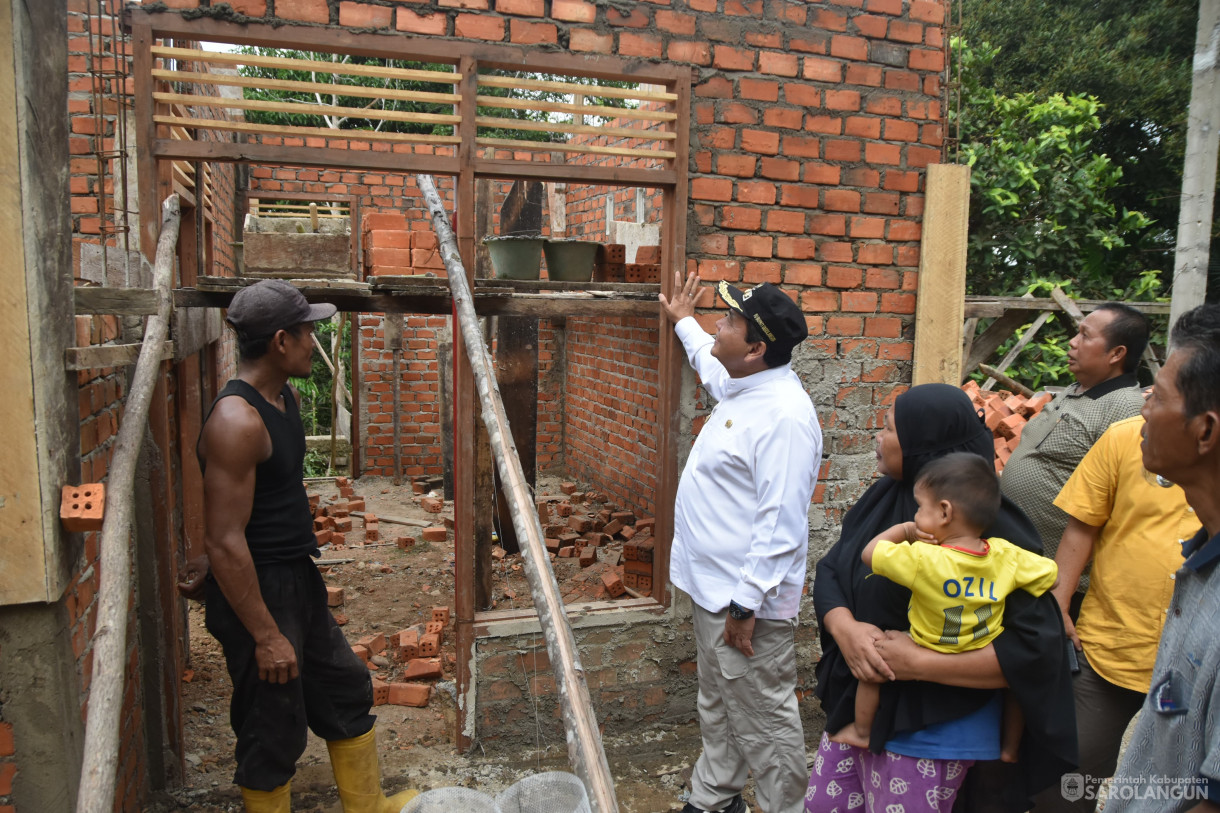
x=266 y=602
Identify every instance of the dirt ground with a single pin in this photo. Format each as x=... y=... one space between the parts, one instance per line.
x=388 y=589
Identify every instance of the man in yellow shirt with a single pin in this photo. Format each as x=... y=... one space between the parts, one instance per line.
x=1131 y=525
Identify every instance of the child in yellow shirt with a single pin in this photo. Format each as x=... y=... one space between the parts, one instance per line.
x=958 y=580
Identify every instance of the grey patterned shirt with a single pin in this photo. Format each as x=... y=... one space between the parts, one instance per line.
x=1173 y=760
x=1053 y=443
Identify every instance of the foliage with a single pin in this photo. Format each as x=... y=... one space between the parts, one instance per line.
x=1041 y=196
x=1134 y=59
x=1042 y=210
x=315 y=390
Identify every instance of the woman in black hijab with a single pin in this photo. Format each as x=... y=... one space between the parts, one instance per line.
x=854 y=608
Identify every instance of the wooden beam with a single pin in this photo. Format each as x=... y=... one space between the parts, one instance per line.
x=1016 y=349
x=576 y=173
x=995 y=335
x=109 y=355
x=114 y=301
x=939 y=308
x=670 y=355
x=255 y=153
x=460 y=269
x=1011 y=383
x=517 y=375
x=986 y=307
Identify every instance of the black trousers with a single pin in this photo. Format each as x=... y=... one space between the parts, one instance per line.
x=331 y=696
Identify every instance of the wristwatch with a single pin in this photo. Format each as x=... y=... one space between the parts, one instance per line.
x=739 y=613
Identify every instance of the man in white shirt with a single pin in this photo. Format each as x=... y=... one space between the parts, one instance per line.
x=741 y=538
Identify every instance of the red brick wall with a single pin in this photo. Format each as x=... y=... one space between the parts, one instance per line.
x=102 y=391
x=610 y=408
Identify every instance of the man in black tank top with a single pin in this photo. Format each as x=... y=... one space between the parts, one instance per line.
x=266 y=602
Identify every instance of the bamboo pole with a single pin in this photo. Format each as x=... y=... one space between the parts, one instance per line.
x=114 y=581
x=585 y=752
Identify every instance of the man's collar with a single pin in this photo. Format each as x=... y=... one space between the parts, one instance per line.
x=744 y=383
x=1106 y=387
x=1201 y=551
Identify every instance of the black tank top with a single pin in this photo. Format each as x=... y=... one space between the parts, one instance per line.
x=280 y=527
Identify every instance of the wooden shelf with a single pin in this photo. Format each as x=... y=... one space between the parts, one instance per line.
x=430 y=296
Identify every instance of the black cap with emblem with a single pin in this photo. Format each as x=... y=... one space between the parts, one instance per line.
x=773 y=313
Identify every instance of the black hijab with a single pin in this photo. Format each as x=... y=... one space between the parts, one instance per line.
x=933 y=420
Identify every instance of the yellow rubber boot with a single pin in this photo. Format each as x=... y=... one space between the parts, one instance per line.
x=268 y=801
x=359 y=776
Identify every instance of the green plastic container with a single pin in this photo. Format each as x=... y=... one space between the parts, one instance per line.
x=570 y=260
x=515 y=257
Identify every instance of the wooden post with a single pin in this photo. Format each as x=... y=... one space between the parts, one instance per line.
x=114 y=588
x=584 y=740
x=1199 y=172
x=517 y=374
x=940 y=304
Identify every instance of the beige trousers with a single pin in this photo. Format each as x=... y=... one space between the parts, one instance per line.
x=748 y=717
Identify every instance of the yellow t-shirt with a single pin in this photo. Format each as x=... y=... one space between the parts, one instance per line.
x=957 y=596
x=1143 y=526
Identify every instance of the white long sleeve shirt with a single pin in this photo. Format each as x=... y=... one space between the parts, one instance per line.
x=741 y=519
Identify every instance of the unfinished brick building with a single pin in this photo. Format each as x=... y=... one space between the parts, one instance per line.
x=805 y=130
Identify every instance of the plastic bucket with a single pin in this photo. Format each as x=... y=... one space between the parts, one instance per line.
x=515 y=257
x=570 y=260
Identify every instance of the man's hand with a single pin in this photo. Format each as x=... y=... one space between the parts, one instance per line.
x=193 y=575
x=737 y=634
x=686 y=296
x=277 y=660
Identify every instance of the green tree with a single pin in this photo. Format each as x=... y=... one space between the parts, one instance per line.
x=1042 y=197
x=1134 y=59
x=1043 y=211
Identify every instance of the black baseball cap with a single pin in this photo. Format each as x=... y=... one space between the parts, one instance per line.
x=772 y=311
x=272 y=304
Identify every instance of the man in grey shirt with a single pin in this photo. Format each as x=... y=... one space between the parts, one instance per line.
x=1103 y=357
x=1173 y=761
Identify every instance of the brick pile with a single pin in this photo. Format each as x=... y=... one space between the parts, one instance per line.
x=391 y=247
x=342 y=521
x=610 y=264
x=415 y=653
x=1005 y=414
x=611 y=546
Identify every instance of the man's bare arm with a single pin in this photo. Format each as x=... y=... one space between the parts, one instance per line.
x=1075 y=551
x=235 y=441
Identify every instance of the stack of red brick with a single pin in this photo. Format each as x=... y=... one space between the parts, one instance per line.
x=391 y=248
x=1006 y=415
x=611 y=264
x=581 y=534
